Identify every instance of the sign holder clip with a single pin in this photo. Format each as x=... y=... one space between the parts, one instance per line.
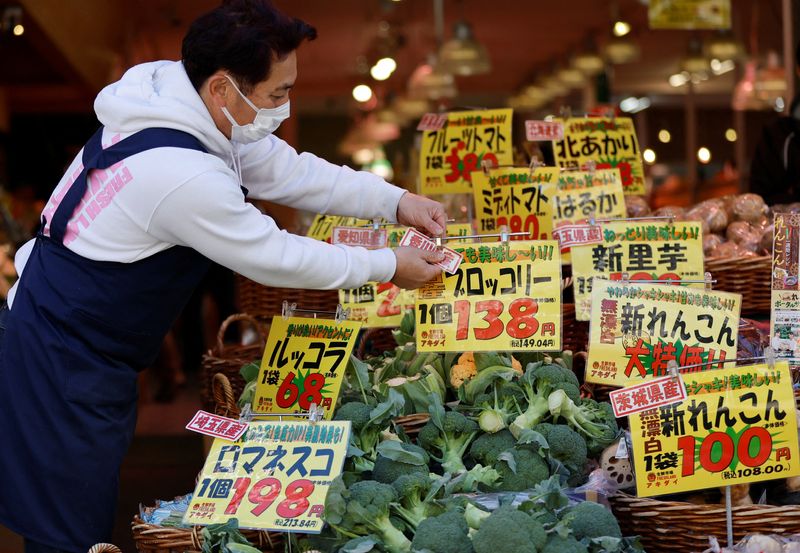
x=289 y=309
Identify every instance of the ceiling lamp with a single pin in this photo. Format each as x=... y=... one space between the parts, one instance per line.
x=463 y=54
x=589 y=61
x=571 y=77
x=621 y=50
x=536 y=92
x=430 y=82
x=725 y=47
x=695 y=62
x=553 y=86
x=411 y=108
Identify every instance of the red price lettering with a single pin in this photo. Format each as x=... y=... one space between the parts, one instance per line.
x=531 y=226
x=295 y=504
x=261 y=500
x=239 y=489
x=289 y=393
x=523 y=323
x=387 y=308
x=720 y=445
x=296 y=501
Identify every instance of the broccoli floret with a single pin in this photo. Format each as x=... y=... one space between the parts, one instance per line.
x=448 y=443
x=495 y=410
x=487 y=447
x=414 y=506
x=364 y=509
x=605 y=415
x=363 y=436
x=557 y=544
x=538 y=383
x=591 y=419
x=388 y=470
x=528 y=470
x=591 y=520
x=446 y=533
x=566 y=445
x=510 y=531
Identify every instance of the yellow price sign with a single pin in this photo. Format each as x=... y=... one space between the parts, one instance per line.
x=504 y=297
x=609 y=143
x=449 y=157
x=638 y=328
x=516 y=198
x=377 y=305
x=736 y=425
x=304 y=363
x=381 y=305
x=582 y=195
x=322 y=226
x=275 y=477
x=643 y=250
x=689 y=14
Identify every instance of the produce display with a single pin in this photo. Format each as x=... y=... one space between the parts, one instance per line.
x=504 y=461
x=733 y=226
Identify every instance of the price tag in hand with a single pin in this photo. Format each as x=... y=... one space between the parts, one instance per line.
x=415 y=239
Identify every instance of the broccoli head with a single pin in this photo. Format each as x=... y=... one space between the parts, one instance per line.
x=538 y=383
x=415 y=506
x=510 y=531
x=591 y=520
x=387 y=470
x=520 y=469
x=446 y=533
x=591 y=419
x=364 y=509
x=448 y=440
x=557 y=544
x=487 y=447
x=566 y=446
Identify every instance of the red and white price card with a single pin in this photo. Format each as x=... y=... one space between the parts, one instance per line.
x=359 y=236
x=415 y=239
x=216 y=426
x=647 y=395
x=432 y=122
x=543 y=131
x=577 y=235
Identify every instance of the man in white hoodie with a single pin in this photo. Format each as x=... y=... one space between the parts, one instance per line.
x=129 y=231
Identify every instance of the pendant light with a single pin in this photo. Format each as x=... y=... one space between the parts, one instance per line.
x=463 y=54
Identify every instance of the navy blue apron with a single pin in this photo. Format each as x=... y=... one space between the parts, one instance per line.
x=76 y=336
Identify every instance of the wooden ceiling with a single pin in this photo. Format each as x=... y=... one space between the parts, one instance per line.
x=68 y=53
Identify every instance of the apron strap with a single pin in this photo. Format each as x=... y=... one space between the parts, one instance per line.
x=95 y=157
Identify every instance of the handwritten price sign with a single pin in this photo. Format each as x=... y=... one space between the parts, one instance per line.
x=638 y=328
x=303 y=363
x=645 y=251
x=322 y=226
x=275 y=478
x=450 y=156
x=516 y=198
x=377 y=305
x=737 y=425
x=504 y=297
x=609 y=143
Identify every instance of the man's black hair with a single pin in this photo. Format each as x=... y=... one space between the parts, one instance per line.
x=242 y=37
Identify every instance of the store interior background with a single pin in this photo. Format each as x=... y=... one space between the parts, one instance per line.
x=55 y=56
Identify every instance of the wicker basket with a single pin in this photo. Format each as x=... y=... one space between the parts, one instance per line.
x=678 y=526
x=412 y=424
x=375 y=341
x=575 y=333
x=748 y=276
x=228 y=359
x=151 y=538
x=264 y=302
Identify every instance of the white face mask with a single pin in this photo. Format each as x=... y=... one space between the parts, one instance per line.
x=264 y=123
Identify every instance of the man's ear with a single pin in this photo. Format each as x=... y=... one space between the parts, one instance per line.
x=218 y=87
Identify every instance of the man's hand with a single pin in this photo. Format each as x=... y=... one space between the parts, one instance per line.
x=424 y=214
x=414 y=267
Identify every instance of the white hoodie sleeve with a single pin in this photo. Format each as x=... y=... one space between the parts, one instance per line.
x=272 y=170
x=209 y=214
